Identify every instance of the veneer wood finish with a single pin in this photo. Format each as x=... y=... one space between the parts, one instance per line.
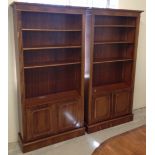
x=109 y=76
x=51 y=44
x=50 y=67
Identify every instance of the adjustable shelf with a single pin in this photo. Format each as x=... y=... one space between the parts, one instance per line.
x=51 y=65
x=100 y=61
x=113 y=42
x=115 y=26
x=52 y=47
x=53 y=30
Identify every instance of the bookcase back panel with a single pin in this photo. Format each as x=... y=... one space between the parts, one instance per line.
x=39 y=39
x=107 y=73
x=43 y=57
x=107 y=52
x=114 y=34
x=45 y=81
x=114 y=20
x=110 y=73
x=38 y=83
x=68 y=78
x=127 y=72
x=31 y=20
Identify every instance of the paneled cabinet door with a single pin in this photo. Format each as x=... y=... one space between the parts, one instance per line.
x=40 y=121
x=102 y=106
x=68 y=115
x=122 y=102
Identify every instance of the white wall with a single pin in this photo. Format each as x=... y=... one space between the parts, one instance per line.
x=12 y=89
x=139 y=95
x=140 y=79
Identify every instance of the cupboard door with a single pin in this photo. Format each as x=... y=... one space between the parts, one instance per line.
x=68 y=115
x=40 y=121
x=122 y=103
x=102 y=107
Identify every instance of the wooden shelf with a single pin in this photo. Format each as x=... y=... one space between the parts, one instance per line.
x=52 y=47
x=115 y=26
x=52 y=65
x=113 y=42
x=111 y=87
x=53 y=30
x=52 y=97
x=111 y=60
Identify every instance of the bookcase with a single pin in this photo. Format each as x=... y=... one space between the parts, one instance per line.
x=110 y=70
x=75 y=70
x=50 y=67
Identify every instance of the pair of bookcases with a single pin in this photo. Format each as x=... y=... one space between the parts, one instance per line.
x=75 y=70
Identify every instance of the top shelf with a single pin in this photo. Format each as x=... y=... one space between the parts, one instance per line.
x=53 y=30
x=123 y=26
x=113 y=42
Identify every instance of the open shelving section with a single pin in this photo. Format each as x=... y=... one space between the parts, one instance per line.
x=113 y=51
x=51 y=40
x=110 y=80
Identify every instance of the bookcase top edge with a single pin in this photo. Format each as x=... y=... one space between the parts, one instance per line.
x=20 y=5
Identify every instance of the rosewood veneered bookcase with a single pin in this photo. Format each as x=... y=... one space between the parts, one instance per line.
x=62 y=51
x=110 y=66
x=50 y=65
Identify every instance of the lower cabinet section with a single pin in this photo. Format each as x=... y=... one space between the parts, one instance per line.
x=109 y=109
x=68 y=116
x=41 y=121
x=52 y=118
x=122 y=103
x=102 y=107
x=57 y=119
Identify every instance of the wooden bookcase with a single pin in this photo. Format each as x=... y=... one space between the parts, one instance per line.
x=51 y=44
x=50 y=67
x=110 y=70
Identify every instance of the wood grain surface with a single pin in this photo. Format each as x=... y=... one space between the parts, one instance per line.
x=130 y=143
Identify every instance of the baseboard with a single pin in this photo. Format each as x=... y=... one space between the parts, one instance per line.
x=138 y=109
x=29 y=146
x=109 y=123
